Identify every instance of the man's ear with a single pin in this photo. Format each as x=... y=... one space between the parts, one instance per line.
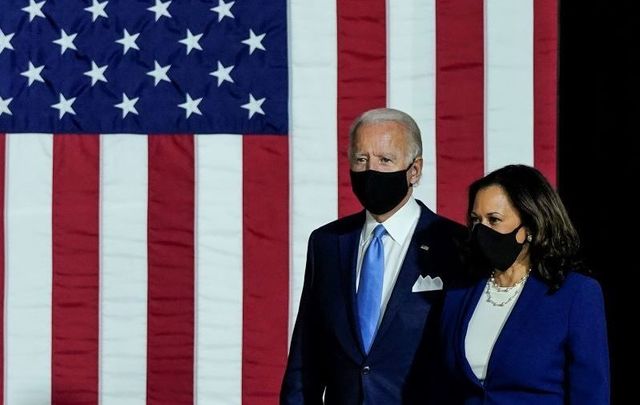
x=415 y=172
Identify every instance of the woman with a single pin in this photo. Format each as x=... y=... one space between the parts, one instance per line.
x=529 y=328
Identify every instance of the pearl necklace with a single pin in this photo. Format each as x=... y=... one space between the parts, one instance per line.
x=494 y=291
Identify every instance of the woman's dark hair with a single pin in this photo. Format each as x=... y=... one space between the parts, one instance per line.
x=554 y=247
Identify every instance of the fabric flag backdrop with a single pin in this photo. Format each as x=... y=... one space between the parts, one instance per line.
x=165 y=161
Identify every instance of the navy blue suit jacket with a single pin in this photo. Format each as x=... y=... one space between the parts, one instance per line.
x=551 y=350
x=326 y=355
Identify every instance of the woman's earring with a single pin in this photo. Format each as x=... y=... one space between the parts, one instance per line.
x=529 y=238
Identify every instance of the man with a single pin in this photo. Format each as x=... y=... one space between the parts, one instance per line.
x=373 y=282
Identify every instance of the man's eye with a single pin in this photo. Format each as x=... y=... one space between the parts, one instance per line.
x=385 y=160
x=361 y=160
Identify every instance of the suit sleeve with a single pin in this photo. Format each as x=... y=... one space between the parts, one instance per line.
x=588 y=356
x=303 y=381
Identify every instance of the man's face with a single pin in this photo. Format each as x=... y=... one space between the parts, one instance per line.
x=380 y=146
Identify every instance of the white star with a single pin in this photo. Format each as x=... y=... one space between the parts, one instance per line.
x=64 y=106
x=97 y=10
x=191 y=105
x=34 y=9
x=223 y=9
x=254 y=41
x=33 y=73
x=254 y=106
x=191 y=41
x=96 y=73
x=223 y=73
x=5 y=41
x=128 y=41
x=4 y=106
x=161 y=9
x=127 y=105
x=159 y=73
x=66 y=42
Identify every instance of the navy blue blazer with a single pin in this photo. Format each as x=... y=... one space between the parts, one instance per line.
x=552 y=349
x=326 y=355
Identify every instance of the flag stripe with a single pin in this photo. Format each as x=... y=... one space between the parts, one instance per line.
x=314 y=163
x=459 y=102
x=265 y=246
x=218 y=269
x=545 y=49
x=170 y=332
x=2 y=262
x=411 y=42
x=29 y=272
x=123 y=270
x=362 y=84
x=75 y=269
x=508 y=83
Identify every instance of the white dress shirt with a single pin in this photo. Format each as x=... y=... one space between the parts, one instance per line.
x=400 y=227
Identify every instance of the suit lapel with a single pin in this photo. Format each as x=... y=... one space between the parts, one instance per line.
x=510 y=331
x=348 y=253
x=513 y=327
x=471 y=301
x=408 y=272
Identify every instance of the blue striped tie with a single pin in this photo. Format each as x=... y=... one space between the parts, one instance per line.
x=370 y=288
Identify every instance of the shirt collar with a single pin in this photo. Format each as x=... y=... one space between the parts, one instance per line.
x=398 y=226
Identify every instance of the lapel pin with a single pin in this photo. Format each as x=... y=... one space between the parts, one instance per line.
x=424 y=247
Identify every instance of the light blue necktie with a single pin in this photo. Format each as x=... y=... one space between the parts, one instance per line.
x=370 y=288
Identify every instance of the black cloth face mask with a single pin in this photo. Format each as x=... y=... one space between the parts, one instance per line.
x=380 y=192
x=500 y=249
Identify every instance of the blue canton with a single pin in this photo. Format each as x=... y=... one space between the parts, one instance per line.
x=143 y=66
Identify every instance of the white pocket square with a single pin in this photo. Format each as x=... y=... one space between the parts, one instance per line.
x=427 y=284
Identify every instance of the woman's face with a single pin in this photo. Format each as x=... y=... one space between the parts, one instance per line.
x=492 y=207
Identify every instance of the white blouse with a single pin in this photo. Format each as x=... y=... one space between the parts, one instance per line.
x=485 y=325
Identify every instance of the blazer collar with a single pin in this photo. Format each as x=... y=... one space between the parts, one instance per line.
x=533 y=289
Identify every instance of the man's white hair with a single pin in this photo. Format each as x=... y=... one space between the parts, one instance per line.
x=389 y=114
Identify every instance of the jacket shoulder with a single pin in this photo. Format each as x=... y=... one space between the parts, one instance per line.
x=581 y=283
x=340 y=226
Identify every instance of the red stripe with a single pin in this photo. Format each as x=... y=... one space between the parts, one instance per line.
x=170 y=341
x=362 y=73
x=459 y=102
x=545 y=73
x=266 y=266
x=2 y=259
x=75 y=294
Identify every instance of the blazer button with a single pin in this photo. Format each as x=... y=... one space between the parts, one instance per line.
x=366 y=370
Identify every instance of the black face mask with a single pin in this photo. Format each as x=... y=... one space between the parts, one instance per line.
x=500 y=249
x=380 y=192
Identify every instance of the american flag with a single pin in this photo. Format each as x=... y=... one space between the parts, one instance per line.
x=165 y=161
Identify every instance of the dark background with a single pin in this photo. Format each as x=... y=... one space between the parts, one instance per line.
x=598 y=154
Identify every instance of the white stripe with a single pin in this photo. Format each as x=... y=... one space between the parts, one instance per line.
x=508 y=83
x=29 y=269
x=123 y=286
x=411 y=82
x=218 y=334
x=313 y=139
